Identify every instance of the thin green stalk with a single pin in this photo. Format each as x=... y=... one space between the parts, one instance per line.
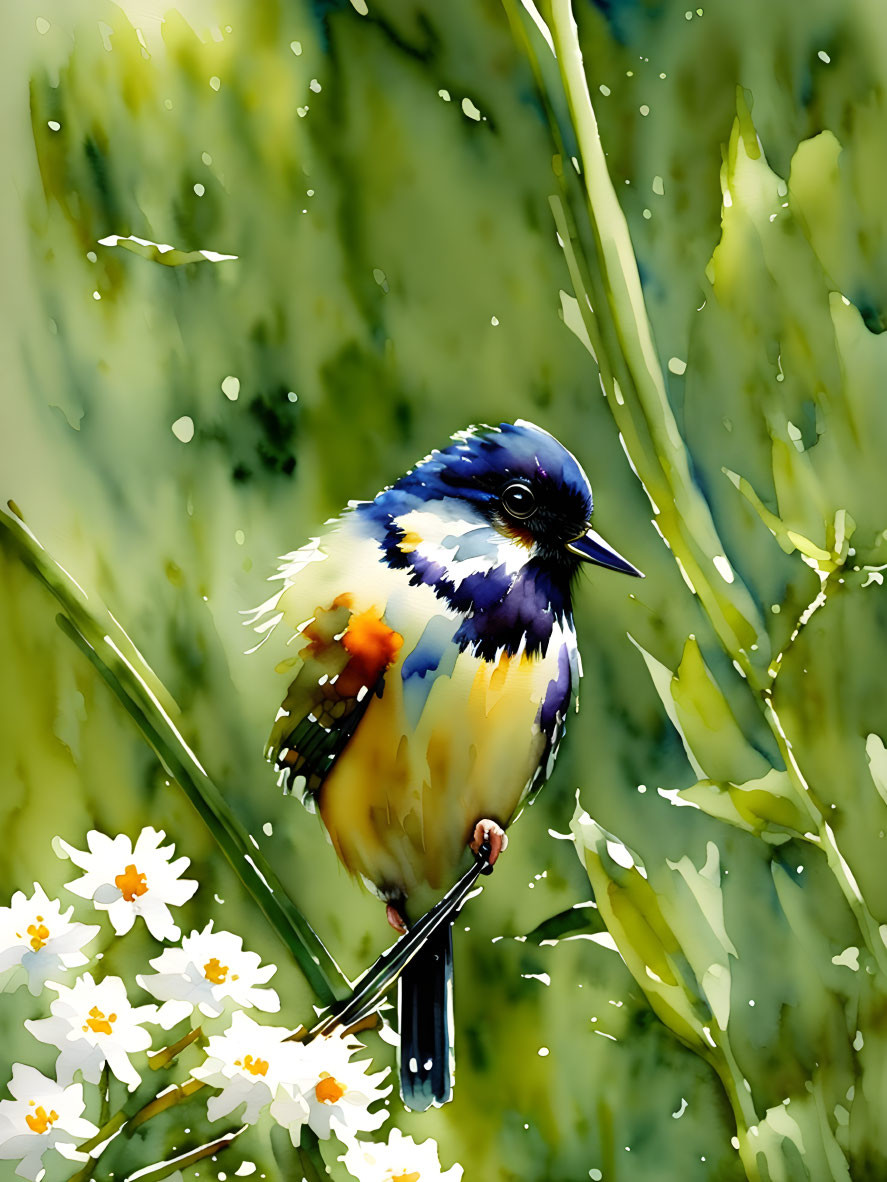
x=164 y=1057
x=613 y=312
x=105 y=1090
x=310 y=1158
x=129 y=1118
x=142 y=704
x=190 y=1159
x=161 y=1103
x=612 y=308
x=108 y=1129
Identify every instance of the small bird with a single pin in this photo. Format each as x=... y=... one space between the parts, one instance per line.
x=433 y=661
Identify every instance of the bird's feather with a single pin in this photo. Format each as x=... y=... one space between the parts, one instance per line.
x=376 y=666
x=426 y=1024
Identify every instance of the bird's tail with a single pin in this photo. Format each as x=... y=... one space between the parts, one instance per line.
x=426 y=1023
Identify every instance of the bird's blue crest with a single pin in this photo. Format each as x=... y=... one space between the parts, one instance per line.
x=477 y=462
x=465 y=482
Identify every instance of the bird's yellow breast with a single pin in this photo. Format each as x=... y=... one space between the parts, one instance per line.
x=402 y=799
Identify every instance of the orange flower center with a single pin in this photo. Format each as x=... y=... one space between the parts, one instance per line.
x=39 y=933
x=98 y=1023
x=253 y=1066
x=329 y=1090
x=40 y=1122
x=215 y=972
x=131 y=883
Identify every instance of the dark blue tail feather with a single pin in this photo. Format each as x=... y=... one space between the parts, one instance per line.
x=426 y=1023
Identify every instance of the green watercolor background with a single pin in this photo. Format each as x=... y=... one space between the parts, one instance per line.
x=379 y=229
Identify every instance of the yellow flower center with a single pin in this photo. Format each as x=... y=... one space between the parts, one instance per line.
x=131 y=883
x=253 y=1066
x=98 y=1023
x=215 y=972
x=329 y=1090
x=411 y=1177
x=40 y=1122
x=39 y=933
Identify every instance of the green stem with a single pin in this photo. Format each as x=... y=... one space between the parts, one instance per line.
x=311 y=1159
x=142 y=703
x=165 y=1057
x=134 y=1116
x=107 y=1130
x=190 y=1159
x=161 y=1103
x=612 y=307
x=105 y=1089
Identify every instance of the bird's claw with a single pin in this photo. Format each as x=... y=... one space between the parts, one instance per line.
x=394 y=917
x=488 y=841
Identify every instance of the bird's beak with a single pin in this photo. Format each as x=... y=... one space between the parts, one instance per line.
x=591 y=547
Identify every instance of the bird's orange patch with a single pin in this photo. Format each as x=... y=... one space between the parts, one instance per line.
x=373 y=647
x=326 y=623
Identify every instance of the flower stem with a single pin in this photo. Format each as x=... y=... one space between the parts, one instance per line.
x=165 y=1057
x=129 y=1120
x=310 y=1158
x=604 y=271
x=108 y=1129
x=141 y=694
x=161 y=1103
x=105 y=1088
x=190 y=1159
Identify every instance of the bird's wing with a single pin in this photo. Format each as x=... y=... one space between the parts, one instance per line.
x=332 y=615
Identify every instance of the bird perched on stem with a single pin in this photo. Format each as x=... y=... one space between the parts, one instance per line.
x=433 y=661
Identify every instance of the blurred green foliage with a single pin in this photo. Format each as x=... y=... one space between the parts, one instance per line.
x=390 y=185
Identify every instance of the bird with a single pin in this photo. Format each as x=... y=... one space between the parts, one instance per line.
x=431 y=663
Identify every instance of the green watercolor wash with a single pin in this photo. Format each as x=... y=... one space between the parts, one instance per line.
x=397 y=275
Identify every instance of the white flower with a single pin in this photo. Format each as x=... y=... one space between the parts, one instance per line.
x=127 y=882
x=249 y=1063
x=36 y=935
x=93 y=1024
x=44 y=1115
x=208 y=969
x=336 y=1092
x=400 y=1160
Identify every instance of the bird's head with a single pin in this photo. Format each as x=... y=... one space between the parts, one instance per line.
x=498 y=498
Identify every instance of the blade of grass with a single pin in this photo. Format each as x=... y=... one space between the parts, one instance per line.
x=607 y=286
x=143 y=704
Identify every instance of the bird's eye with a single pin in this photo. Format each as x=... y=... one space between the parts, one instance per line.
x=518 y=501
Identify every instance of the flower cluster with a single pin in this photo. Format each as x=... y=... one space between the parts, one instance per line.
x=263 y=1068
x=253 y=1069
x=400 y=1160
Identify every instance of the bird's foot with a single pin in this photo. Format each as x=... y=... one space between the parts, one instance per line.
x=492 y=833
x=394 y=917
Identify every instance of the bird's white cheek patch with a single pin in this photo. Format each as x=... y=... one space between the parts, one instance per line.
x=462 y=547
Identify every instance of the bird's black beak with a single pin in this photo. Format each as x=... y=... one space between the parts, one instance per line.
x=591 y=547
